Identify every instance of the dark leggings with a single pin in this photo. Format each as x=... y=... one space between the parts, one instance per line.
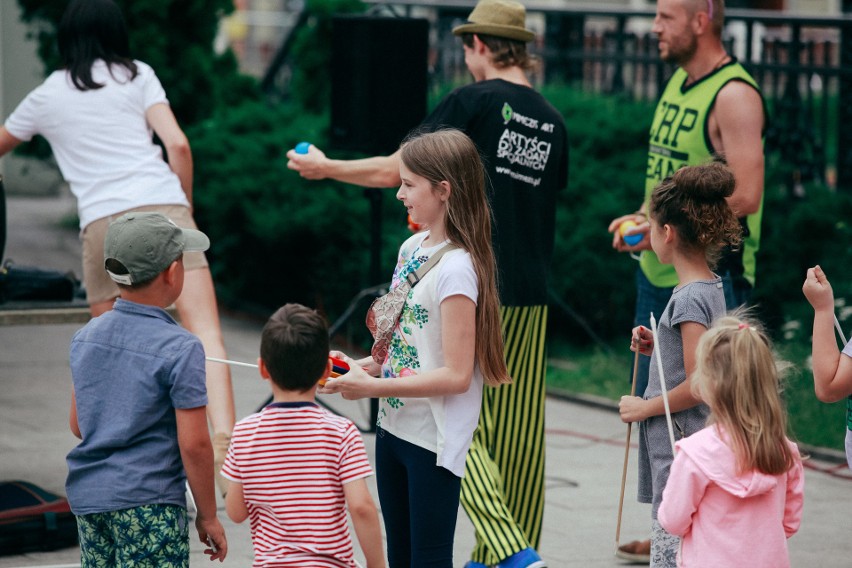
x=420 y=503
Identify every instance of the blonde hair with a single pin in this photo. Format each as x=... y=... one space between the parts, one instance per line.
x=449 y=155
x=737 y=375
x=693 y=201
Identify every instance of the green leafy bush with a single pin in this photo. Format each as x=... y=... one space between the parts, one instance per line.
x=175 y=37
x=797 y=234
x=277 y=238
x=608 y=139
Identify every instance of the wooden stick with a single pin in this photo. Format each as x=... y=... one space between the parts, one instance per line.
x=626 y=453
x=663 y=382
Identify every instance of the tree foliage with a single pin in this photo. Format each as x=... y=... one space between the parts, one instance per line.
x=175 y=37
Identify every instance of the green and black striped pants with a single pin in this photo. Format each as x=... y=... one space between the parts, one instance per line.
x=503 y=487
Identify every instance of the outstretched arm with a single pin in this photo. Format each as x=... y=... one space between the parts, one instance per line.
x=378 y=171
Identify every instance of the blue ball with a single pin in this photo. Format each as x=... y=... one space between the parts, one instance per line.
x=632 y=240
x=302 y=147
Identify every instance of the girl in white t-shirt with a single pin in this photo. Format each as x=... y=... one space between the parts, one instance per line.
x=99 y=113
x=446 y=344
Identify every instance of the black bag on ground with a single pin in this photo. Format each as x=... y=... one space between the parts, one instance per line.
x=29 y=282
x=33 y=283
x=32 y=518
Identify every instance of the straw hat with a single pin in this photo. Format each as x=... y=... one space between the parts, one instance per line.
x=499 y=18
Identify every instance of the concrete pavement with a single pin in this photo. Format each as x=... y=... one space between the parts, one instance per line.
x=585 y=444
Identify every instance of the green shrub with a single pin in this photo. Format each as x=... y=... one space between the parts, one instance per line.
x=798 y=233
x=608 y=139
x=175 y=37
x=275 y=237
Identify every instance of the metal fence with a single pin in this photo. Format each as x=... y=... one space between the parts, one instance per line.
x=803 y=65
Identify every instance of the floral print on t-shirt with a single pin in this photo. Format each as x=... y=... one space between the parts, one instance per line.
x=402 y=360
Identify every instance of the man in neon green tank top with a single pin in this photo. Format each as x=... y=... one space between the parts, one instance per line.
x=710 y=106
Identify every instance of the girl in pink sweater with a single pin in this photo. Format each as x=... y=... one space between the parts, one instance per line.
x=735 y=490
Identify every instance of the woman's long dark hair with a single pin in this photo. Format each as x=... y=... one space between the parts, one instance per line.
x=92 y=30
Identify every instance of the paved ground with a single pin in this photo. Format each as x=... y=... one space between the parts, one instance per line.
x=585 y=445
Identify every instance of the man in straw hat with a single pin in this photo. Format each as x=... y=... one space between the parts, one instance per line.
x=524 y=145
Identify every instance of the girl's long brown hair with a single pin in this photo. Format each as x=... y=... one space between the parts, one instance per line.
x=449 y=155
x=737 y=375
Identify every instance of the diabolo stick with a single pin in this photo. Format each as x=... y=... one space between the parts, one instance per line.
x=662 y=382
x=839 y=330
x=626 y=454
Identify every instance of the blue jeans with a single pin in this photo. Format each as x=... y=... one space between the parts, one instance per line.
x=420 y=503
x=737 y=291
x=650 y=298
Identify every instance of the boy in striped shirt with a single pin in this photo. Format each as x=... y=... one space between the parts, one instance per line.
x=293 y=467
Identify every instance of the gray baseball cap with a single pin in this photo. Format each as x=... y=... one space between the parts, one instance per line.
x=145 y=244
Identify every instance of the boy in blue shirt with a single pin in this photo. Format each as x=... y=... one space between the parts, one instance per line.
x=138 y=404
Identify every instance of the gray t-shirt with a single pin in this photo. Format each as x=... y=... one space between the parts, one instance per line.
x=701 y=302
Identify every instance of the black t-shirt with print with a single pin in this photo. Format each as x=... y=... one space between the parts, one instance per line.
x=523 y=142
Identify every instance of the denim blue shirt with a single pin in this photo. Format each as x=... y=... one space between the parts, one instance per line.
x=131 y=368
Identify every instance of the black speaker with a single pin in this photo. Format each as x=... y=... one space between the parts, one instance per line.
x=378 y=81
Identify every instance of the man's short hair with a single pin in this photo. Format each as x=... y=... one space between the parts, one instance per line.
x=294 y=347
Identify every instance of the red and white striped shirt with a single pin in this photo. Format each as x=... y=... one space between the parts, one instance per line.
x=293 y=460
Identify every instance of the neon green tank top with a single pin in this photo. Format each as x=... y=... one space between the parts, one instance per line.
x=678 y=138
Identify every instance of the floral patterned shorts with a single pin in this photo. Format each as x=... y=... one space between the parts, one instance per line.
x=147 y=536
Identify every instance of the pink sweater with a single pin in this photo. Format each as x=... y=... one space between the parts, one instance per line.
x=727 y=519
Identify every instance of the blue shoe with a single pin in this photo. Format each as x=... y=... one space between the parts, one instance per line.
x=472 y=564
x=527 y=558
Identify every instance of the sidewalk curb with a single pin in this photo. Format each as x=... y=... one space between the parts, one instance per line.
x=829 y=455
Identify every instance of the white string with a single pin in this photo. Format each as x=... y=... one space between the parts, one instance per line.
x=662 y=381
x=839 y=330
x=229 y=362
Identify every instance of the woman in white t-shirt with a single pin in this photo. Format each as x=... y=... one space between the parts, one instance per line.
x=99 y=113
x=446 y=343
